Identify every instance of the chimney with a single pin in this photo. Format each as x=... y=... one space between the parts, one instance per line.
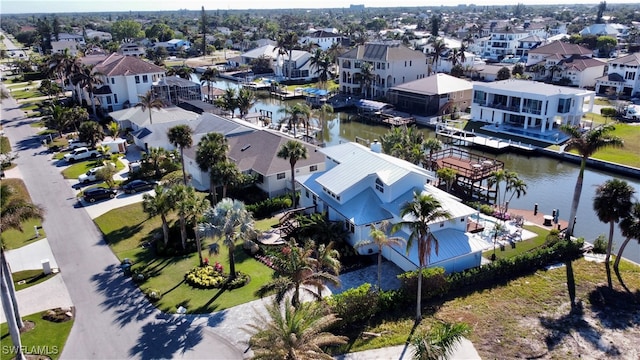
x=376 y=146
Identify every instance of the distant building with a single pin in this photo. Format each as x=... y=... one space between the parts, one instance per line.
x=132 y=49
x=433 y=95
x=174 y=90
x=622 y=77
x=323 y=39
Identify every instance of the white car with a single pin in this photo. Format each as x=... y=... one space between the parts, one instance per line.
x=89 y=176
x=75 y=143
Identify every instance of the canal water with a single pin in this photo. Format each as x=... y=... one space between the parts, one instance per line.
x=550 y=182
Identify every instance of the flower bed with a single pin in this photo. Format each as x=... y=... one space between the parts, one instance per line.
x=212 y=276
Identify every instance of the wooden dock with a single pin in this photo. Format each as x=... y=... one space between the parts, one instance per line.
x=466 y=138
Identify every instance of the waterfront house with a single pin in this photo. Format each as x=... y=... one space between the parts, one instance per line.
x=622 y=77
x=323 y=39
x=551 y=53
x=124 y=80
x=300 y=66
x=561 y=62
x=529 y=108
x=174 y=90
x=434 y=95
x=134 y=118
x=502 y=42
x=392 y=64
x=362 y=187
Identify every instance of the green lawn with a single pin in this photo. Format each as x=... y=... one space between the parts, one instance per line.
x=27 y=94
x=77 y=169
x=47 y=336
x=13 y=239
x=521 y=246
x=5 y=145
x=30 y=278
x=125 y=230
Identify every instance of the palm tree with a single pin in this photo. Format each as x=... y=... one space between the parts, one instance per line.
x=194 y=207
x=212 y=150
x=324 y=110
x=586 y=144
x=497 y=177
x=439 y=342
x=611 y=203
x=180 y=196
x=296 y=113
x=208 y=77
x=516 y=186
x=184 y=72
x=293 y=151
x=417 y=215
x=282 y=48
x=245 y=100
x=231 y=221
x=161 y=205
x=297 y=270
x=290 y=40
x=439 y=47
x=322 y=64
x=630 y=228
x=228 y=100
x=91 y=132
x=431 y=145
x=227 y=174
x=149 y=102
x=90 y=79
x=328 y=260
x=14 y=209
x=113 y=128
x=448 y=175
x=366 y=77
x=381 y=240
x=293 y=333
x=180 y=137
x=155 y=155
x=58 y=118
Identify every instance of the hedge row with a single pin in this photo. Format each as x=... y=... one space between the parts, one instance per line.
x=265 y=208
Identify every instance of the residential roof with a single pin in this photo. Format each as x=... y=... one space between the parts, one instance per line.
x=120 y=65
x=141 y=118
x=531 y=87
x=383 y=51
x=531 y=38
x=629 y=60
x=357 y=162
x=271 y=52
x=322 y=34
x=602 y=29
x=260 y=149
x=561 y=47
x=177 y=81
x=581 y=63
x=435 y=85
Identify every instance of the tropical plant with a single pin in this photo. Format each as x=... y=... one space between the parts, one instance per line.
x=611 y=203
x=148 y=101
x=180 y=196
x=630 y=228
x=208 y=77
x=114 y=128
x=227 y=174
x=227 y=101
x=586 y=144
x=106 y=174
x=91 y=132
x=155 y=156
x=230 y=221
x=379 y=238
x=180 y=137
x=293 y=333
x=439 y=47
x=90 y=79
x=366 y=77
x=161 y=205
x=325 y=109
x=431 y=145
x=58 y=118
x=194 y=207
x=212 y=150
x=245 y=100
x=293 y=151
x=417 y=215
x=439 y=342
x=327 y=260
x=448 y=175
x=14 y=209
x=503 y=73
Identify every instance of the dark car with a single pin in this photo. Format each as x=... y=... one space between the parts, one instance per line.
x=91 y=195
x=137 y=186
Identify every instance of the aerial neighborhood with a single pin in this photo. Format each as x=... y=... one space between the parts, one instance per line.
x=434 y=182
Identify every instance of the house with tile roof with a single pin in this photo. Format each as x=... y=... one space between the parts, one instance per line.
x=124 y=80
x=434 y=95
x=392 y=64
x=564 y=63
x=362 y=187
x=556 y=50
x=622 y=77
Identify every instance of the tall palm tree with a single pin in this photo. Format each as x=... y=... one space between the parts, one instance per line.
x=439 y=47
x=380 y=239
x=586 y=144
x=180 y=196
x=417 y=215
x=325 y=109
x=431 y=145
x=290 y=41
x=149 y=101
x=227 y=174
x=611 y=203
x=194 y=207
x=630 y=228
x=282 y=48
x=208 y=77
x=58 y=118
x=230 y=221
x=448 y=175
x=366 y=78
x=245 y=100
x=516 y=187
x=439 y=342
x=180 y=137
x=322 y=64
x=212 y=150
x=161 y=205
x=496 y=178
x=328 y=260
x=293 y=333
x=90 y=79
x=293 y=151
x=296 y=270
x=154 y=156
x=296 y=113
x=228 y=101
x=184 y=72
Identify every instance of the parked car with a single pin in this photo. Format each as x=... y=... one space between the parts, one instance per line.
x=81 y=153
x=137 y=186
x=93 y=194
x=89 y=176
x=76 y=143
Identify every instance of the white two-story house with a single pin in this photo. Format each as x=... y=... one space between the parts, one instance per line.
x=298 y=68
x=565 y=63
x=392 y=64
x=362 y=187
x=622 y=77
x=529 y=108
x=503 y=42
x=124 y=80
x=323 y=39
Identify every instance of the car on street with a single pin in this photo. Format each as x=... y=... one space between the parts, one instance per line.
x=137 y=186
x=99 y=193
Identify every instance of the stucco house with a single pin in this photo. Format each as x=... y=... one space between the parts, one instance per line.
x=362 y=187
x=392 y=64
x=132 y=49
x=124 y=80
x=563 y=62
x=322 y=38
x=529 y=108
x=134 y=118
x=434 y=95
x=621 y=77
x=299 y=65
x=555 y=50
x=503 y=42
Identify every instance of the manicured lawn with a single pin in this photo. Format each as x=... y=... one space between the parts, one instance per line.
x=47 y=336
x=628 y=155
x=31 y=277
x=5 y=145
x=127 y=228
x=521 y=246
x=77 y=169
x=27 y=94
x=13 y=239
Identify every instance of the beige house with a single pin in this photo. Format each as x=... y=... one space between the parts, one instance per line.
x=434 y=95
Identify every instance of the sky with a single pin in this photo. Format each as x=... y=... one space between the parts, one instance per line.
x=56 y=6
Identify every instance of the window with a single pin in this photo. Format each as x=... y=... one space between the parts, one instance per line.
x=280 y=176
x=145 y=78
x=630 y=75
x=137 y=79
x=379 y=185
x=113 y=81
x=313 y=168
x=306 y=193
x=115 y=98
x=108 y=99
x=350 y=226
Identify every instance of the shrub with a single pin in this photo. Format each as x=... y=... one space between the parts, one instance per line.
x=265 y=208
x=57 y=315
x=600 y=245
x=608 y=111
x=241 y=280
x=153 y=294
x=138 y=277
x=434 y=282
x=205 y=277
x=355 y=304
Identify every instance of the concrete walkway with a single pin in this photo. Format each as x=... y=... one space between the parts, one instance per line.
x=47 y=295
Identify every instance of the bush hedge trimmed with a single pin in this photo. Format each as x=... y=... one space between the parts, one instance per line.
x=265 y=208
x=211 y=277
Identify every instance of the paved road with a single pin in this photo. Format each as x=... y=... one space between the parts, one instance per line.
x=114 y=320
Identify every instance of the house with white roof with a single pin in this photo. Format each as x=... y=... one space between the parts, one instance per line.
x=362 y=187
x=503 y=42
x=528 y=107
x=134 y=118
x=622 y=77
x=299 y=65
x=101 y=35
x=434 y=95
x=324 y=39
x=392 y=64
x=124 y=80
x=132 y=49
x=60 y=47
